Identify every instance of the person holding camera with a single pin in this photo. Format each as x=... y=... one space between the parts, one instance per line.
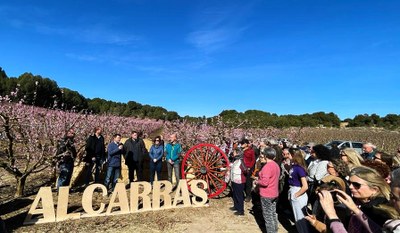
x=369 y=203
x=66 y=154
x=115 y=150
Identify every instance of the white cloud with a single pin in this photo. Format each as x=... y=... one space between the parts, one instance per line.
x=215 y=39
x=218 y=27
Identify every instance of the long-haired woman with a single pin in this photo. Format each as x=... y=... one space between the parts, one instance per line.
x=298 y=190
x=351 y=157
x=369 y=205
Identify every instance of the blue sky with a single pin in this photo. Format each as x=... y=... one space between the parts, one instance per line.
x=202 y=57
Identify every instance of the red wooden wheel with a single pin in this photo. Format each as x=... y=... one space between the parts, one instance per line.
x=206 y=162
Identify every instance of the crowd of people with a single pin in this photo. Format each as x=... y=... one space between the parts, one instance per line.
x=321 y=189
x=133 y=151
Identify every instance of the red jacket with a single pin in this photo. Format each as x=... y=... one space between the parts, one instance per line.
x=249 y=157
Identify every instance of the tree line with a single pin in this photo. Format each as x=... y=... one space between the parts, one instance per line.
x=44 y=92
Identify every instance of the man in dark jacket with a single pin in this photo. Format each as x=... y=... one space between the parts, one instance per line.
x=135 y=151
x=95 y=155
x=115 y=151
x=66 y=154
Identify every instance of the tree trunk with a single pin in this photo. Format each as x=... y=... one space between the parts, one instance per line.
x=20 y=186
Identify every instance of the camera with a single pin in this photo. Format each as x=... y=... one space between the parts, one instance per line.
x=334 y=196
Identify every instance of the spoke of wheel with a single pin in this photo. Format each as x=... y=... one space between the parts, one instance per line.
x=220 y=181
x=213 y=161
x=198 y=160
x=219 y=177
x=215 y=167
x=208 y=153
x=219 y=172
x=208 y=185
x=212 y=180
x=205 y=155
x=197 y=166
x=193 y=173
x=201 y=158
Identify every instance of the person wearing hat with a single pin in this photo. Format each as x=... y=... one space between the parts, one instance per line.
x=249 y=159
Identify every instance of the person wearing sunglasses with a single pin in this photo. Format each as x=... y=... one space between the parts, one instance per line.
x=369 y=203
x=156 y=154
x=351 y=157
x=338 y=171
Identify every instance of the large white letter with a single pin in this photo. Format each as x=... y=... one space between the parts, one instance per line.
x=45 y=195
x=120 y=192
x=87 y=200
x=182 y=189
x=62 y=205
x=199 y=192
x=157 y=193
x=146 y=201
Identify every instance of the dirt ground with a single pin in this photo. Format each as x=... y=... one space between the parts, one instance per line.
x=215 y=218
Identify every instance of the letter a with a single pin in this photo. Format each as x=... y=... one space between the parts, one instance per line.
x=49 y=215
x=182 y=189
x=120 y=192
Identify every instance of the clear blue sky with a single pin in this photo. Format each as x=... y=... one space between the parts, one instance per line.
x=202 y=57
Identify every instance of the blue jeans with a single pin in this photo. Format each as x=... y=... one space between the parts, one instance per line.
x=174 y=166
x=112 y=175
x=89 y=167
x=66 y=170
x=155 y=167
x=268 y=206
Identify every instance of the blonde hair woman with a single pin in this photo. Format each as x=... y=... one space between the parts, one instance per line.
x=370 y=202
x=351 y=157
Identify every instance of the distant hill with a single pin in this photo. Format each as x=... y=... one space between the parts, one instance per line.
x=44 y=92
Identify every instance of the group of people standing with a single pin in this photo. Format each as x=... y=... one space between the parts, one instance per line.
x=328 y=191
x=133 y=151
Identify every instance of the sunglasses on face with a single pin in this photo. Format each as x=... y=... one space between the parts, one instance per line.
x=356 y=185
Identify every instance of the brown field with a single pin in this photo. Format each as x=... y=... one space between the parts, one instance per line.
x=214 y=218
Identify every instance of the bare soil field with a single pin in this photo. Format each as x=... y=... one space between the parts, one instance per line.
x=216 y=217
